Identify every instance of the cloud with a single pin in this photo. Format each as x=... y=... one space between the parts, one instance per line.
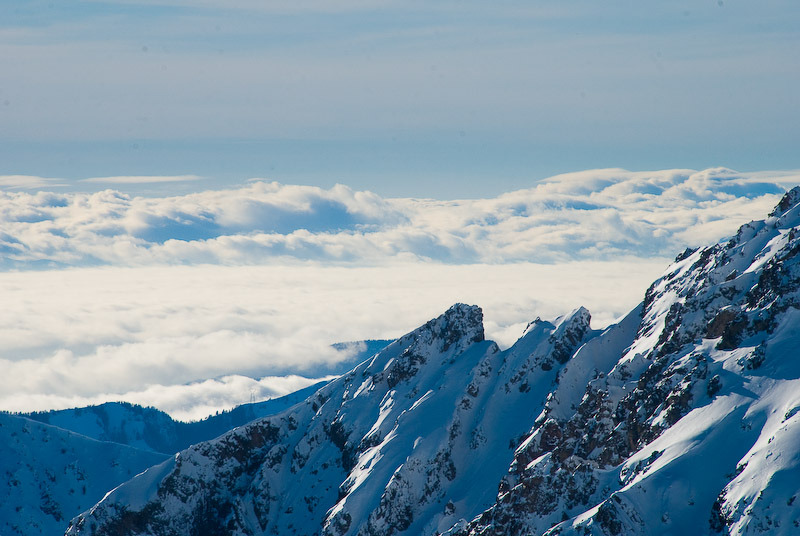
x=189 y=402
x=144 y=179
x=28 y=182
x=96 y=334
x=198 y=400
x=599 y=214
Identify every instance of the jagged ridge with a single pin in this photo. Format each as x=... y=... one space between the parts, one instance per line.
x=713 y=327
x=394 y=446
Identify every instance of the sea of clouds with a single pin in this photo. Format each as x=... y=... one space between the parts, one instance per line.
x=597 y=215
x=196 y=303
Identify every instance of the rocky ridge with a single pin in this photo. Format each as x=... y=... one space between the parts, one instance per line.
x=718 y=338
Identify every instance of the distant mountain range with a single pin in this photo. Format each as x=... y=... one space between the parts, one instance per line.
x=154 y=430
x=51 y=473
x=59 y=463
x=680 y=419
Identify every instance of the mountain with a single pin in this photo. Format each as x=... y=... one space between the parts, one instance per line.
x=680 y=419
x=154 y=430
x=694 y=429
x=395 y=445
x=58 y=463
x=52 y=474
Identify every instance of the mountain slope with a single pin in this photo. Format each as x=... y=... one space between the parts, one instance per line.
x=53 y=474
x=395 y=445
x=58 y=463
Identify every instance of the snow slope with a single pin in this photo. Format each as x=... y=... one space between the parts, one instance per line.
x=396 y=445
x=52 y=475
x=58 y=463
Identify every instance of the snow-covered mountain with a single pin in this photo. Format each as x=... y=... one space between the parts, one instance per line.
x=395 y=445
x=693 y=429
x=151 y=429
x=680 y=419
x=51 y=474
x=58 y=463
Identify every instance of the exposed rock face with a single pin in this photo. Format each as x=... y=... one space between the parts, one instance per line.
x=683 y=418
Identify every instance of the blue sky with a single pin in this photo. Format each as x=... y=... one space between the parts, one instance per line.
x=444 y=99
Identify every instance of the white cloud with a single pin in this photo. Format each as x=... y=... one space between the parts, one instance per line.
x=189 y=402
x=97 y=334
x=28 y=182
x=599 y=214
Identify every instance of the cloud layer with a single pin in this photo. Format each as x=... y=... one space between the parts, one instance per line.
x=190 y=338
x=599 y=214
x=191 y=303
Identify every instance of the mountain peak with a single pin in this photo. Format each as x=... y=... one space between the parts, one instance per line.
x=682 y=418
x=466 y=320
x=454 y=330
x=571 y=330
x=789 y=200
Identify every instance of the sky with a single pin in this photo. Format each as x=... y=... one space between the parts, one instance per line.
x=405 y=99
x=199 y=197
